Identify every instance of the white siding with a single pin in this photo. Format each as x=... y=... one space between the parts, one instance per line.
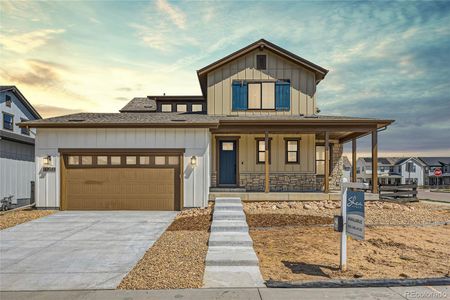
x=194 y=141
x=417 y=175
x=16 y=177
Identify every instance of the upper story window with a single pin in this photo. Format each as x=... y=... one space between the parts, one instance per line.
x=260 y=95
x=261 y=62
x=8 y=121
x=197 y=107
x=24 y=130
x=410 y=167
x=181 y=107
x=166 y=107
x=8 y=100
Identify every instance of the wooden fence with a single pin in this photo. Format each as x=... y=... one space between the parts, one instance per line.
x=398 y=192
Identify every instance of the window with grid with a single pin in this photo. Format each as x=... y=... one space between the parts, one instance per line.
x=261 y=151
x=292 y=151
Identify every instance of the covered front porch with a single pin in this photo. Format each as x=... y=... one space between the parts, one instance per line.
x=304 y=157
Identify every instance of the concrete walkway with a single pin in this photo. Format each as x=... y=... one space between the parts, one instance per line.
x=231 y=260
x=395 y=293
x=77 y=250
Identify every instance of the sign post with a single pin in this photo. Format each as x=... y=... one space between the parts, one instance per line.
x=437 y=173
x=352 y=212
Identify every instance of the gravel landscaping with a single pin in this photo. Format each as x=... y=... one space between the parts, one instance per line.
x=177 y=259
x=10 y=219
x=295 y=242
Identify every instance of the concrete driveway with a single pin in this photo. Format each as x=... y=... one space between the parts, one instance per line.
x=77 y=250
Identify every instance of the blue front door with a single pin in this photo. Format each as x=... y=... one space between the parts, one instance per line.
x=227 y=162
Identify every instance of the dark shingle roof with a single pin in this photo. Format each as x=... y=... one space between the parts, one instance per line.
x=435 y=161
x=140 y=104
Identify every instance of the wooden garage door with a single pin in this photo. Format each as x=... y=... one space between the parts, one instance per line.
x=121 y=182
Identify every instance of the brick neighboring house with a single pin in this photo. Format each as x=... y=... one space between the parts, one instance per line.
x=431 y=163
x=254 y=130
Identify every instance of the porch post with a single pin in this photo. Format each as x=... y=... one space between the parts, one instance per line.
x=326 y=183
x=266 y=162
x=374 y=161
x=354 y=160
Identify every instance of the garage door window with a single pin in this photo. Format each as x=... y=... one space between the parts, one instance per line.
x=73 y=160
x=116 y=160
x=131 y=160
x=102 y=160
x=160 y=160
x=173 y=160
x=86 y=160
x=144 y=160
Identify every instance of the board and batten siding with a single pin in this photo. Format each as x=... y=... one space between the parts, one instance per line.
x=196 y=142
x=303 y=87
x=247 y=154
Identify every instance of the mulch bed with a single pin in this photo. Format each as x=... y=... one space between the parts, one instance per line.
x=10 y=219
x=177 y=259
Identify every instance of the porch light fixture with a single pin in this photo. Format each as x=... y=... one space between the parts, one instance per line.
x=194 y=161
x=47 y=161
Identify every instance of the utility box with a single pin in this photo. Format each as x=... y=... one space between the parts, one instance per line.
x=338 y=223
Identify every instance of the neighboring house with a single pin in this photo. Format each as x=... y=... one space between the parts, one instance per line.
x=431 y=163
x=346 y=168
x=391 y=170
x=17 y=168
x=255 y=128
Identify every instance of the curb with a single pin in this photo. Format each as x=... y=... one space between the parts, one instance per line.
x=352 y=283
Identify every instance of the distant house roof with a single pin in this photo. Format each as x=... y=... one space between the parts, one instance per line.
x=261 y=44
x=346 y=162
x=21 y=97
x=148 y=104
x=435 y=161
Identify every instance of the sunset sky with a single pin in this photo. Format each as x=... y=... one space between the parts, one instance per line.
x=386 y=59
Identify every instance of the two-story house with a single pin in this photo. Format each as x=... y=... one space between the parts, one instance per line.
x=253 y=132
x=433 y=163
x=392 y=170
x=17 y=168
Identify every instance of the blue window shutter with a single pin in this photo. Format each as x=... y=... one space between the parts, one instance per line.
x=282 y=95
x=239 y=91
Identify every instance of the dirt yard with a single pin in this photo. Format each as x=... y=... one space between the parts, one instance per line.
x=295 y=242
x=177 y=259
x=14 y=218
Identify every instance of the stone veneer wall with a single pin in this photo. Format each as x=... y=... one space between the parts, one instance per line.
x=336 y=167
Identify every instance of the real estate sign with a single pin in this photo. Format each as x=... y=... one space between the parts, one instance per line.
x=355 y=214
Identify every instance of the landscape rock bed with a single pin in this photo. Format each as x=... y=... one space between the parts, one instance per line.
x=292 y=246
x=177 y=259
x=377 y=212
x=10 y=219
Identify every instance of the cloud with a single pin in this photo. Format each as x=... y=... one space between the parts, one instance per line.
x=173 y=12
x=26 y=42
x=47 y=111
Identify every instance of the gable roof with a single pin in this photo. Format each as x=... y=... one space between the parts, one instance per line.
x=262 y=44
x=346 y=162
x=21 y=97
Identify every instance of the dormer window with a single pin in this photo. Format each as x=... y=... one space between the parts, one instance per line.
x=181 y=107
x=261 y=62
x=166 y=107
x=8 y=101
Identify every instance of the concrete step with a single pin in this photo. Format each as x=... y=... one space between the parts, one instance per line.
x=227 y=200
x=229 y=226
x=228 y=207
x=229 y=215
x=232 y=277
x=231 y=256
x=241 y=239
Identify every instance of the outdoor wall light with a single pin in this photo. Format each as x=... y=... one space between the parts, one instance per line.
x=194 y=161
x=47 y=160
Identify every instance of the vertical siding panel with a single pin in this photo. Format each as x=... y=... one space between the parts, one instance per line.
x=210 y=96
x=218 y=92
x=226 y=90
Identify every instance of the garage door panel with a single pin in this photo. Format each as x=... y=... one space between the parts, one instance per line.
x=114 y=188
